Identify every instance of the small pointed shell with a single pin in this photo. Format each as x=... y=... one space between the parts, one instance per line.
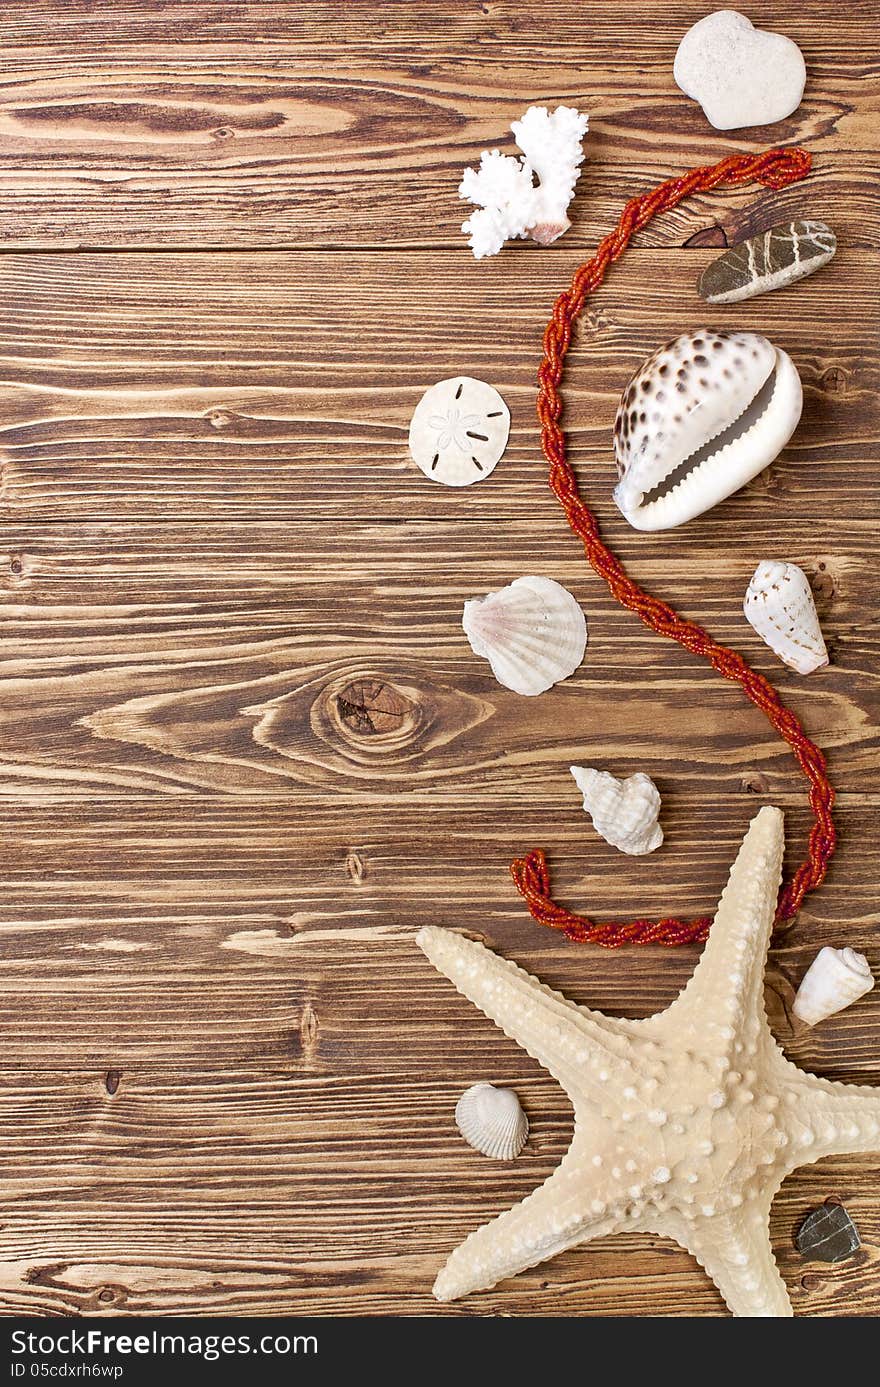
x=702 y=416
x=779 y=605
x=835 y=979
x=492 y=1121
x=624 y=812
x=533 y=633
x=459 y=431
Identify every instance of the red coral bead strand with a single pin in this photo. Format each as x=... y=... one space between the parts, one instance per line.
x=775 y=169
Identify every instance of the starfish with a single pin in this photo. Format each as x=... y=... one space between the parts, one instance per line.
x=686 y=1123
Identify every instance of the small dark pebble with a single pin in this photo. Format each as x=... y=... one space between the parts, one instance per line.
x=828 y=1234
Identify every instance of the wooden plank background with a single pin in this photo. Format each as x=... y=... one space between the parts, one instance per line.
x=231 y=263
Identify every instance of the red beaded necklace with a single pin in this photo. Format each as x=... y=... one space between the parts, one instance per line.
x=775 y=169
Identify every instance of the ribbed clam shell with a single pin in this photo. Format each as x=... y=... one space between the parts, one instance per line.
x=624 y=812
x=835 y=979
x=779 y=605
x=533 y=633
x=698 y=420
x=492 y=1121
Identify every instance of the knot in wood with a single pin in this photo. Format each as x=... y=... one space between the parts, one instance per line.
x=755 y=783
x=354 y=866
x=371 y=707
x=826 y=581
x=835 y=381
x=219 y=418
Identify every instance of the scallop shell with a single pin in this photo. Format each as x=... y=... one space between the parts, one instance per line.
x=835 y=979
x=492 y=1121
x=779 y=605
x=533 y=633
x=624 y=812
x=459 y=431
x=698 y=420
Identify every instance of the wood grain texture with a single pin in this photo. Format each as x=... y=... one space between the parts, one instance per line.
x=224 y=125
x=245 y=748
x=234 y=660
x=248 y=915
x=202 y=1166
x=241 y=386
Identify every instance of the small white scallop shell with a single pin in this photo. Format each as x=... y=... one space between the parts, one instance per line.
x=624 y=812
x=459 y=431
x=698 y=420
x=492 y=1121
x=835 y=979
x=533 y=633
x=779 y=605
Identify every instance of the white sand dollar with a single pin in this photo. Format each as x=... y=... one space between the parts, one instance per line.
x=459 y=431
x=739 y=74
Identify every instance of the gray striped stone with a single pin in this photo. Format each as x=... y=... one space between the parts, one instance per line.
x=828 y=1234
x=768 y=261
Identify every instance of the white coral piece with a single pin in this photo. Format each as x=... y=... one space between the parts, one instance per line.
x=511 y=203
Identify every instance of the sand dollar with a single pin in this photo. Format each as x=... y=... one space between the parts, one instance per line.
x=459 y=431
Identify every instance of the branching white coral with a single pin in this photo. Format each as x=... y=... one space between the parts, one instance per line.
x=527 y=196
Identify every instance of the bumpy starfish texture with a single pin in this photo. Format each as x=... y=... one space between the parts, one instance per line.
x=686 y=1123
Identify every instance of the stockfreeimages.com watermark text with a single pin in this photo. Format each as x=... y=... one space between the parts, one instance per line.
x=95 y=1343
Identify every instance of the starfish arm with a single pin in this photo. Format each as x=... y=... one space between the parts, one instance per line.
x=725 y=995
x=821 y=1118
x=734 y=1249
x=557 y=1216
x=583 y=1052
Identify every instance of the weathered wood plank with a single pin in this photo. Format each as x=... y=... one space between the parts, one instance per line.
x=252 y=1192
x=228 y=1073
x=229 y=659
x=209 y=934
x=248 y=386
x=203 y=125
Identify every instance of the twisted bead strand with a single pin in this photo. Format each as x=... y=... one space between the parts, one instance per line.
x=774 y=169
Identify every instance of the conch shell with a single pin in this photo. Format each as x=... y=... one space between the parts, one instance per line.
x=835 y=979
x=779 y=605
x=703 y=416
x=533 y=633
x=492 y=1121
x=624 y=812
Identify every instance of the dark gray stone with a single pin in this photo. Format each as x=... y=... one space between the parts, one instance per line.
x=768 y=261
x=828 y=1234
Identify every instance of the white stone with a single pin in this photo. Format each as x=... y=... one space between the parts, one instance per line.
x=739 y=74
